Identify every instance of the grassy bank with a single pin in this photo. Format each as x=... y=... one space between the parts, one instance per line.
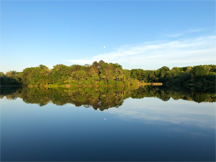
x=72 y=85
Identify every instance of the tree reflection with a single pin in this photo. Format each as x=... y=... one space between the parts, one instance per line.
x=101 y=98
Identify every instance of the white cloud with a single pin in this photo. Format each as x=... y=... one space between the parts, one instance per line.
x=195 y=30
x=153 y=55
x=174 y=35
x=190 y=30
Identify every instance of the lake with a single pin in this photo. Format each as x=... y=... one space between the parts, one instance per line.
x=107 y=124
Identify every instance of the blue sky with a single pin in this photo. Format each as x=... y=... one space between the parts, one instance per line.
x=136 y=34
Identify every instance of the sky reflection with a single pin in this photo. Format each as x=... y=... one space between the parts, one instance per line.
x=137 y=130
x=153 y=110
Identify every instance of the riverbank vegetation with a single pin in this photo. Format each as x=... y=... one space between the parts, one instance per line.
x=109 y=74
x=97 y=74
x=201 y=75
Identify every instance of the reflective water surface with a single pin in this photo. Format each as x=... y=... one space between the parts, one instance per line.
x=107 y=124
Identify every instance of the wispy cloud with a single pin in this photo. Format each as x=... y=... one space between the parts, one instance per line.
x=153 y=55
x=190 y=30
x=196 y=30
x=174 y=35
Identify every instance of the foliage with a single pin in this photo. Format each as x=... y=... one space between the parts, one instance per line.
x=99 y=73
x=184 y=76
x=10 y=78
x=200 y=71
x=104 y=74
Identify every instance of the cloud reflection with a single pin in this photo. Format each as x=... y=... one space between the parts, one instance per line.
x=151 y=110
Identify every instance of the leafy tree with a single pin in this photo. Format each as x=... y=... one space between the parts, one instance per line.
x=199 y=71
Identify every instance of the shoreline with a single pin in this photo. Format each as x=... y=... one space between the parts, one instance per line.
x=69 y=85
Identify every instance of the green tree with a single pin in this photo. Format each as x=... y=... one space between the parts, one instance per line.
x=199 y=71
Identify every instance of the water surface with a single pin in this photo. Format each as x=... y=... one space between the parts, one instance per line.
x=108 y=124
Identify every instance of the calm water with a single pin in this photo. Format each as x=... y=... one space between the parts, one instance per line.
x=146 y=124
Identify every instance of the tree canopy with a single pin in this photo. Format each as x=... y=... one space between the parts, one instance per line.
x=102 y=74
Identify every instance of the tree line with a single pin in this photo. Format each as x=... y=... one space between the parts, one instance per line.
x=102 y=73
x=201 y=75
x=11 y=78
x=99 y=73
